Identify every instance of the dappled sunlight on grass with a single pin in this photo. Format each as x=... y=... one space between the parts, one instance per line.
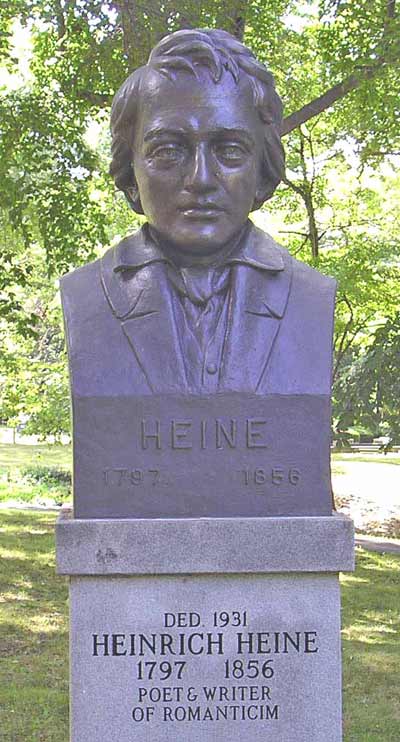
x=371 y=632
x=20 y=533
x=7 y=597
x=348 y=579
x=390 y=563
x=13 y=554
x=34 y=631
x=16 y=554
x=367 y=634
x=49 y=623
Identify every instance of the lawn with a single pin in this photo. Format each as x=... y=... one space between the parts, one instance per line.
x=34 y=646
x=365 y=458
x=35 y=473
x=34 y=632
x=20 y=455
x=371 y=649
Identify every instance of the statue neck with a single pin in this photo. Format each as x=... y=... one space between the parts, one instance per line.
x=182 y=258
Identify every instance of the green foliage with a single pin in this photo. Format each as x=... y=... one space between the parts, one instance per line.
x=36 y=485
x=370 y=383
x=33 y=371
x=49 y=475
x=145 y=22
x=58 y=208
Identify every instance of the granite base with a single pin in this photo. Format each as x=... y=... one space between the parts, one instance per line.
x=208 y=654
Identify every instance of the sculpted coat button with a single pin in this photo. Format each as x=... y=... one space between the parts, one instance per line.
x=212 y=368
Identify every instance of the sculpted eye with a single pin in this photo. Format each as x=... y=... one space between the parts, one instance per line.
x=167 y=153
x=231 y=153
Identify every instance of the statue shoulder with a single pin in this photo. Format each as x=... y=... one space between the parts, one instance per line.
x=79 y=276
x=267 y=250
x=84 y=284
x=312 y=281
x=80 y=290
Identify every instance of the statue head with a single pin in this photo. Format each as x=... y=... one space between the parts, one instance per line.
x=198 y=128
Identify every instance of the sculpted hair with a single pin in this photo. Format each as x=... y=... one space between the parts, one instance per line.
x=184 y=51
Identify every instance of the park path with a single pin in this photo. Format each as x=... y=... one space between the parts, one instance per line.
x=370 y=493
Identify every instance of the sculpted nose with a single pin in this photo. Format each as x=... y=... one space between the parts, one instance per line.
x=200 y=175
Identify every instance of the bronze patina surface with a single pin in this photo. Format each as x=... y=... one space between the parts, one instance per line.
x=199 y=322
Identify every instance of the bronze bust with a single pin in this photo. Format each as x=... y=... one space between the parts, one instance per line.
x=199 y=301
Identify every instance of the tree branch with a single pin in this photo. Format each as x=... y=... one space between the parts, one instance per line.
x=96 y=99
x=305 y=191
x=320 y=104
x=364 y=72
x=145 y=22
x=340 y=350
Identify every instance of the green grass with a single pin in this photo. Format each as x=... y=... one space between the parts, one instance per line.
x=34 y=643
x=34 y=632
x=367 y=458
x=17 y=485
x=371 y=649
x=18 y=456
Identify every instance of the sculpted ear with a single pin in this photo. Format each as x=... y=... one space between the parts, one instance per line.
x=133 y=198
x=261 y=195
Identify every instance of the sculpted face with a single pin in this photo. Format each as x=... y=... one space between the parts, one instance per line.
x=197 y=159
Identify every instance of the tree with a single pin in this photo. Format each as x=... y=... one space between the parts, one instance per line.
x=336 y=68
x=83 y=51
x=144 y=23
x=370 y=384
x=33 y=369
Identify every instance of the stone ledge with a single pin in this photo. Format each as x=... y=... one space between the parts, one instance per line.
x=204 y=545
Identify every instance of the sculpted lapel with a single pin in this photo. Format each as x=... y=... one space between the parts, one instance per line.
x=152 y=333
x=258 y=302
x=141 y=300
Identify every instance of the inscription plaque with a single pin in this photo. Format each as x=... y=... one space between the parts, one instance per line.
x=233 y=454
x=243 y=658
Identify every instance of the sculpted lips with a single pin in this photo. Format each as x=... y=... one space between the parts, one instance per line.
x=201 y=210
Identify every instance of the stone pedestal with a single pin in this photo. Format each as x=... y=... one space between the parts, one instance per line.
x=205 y=629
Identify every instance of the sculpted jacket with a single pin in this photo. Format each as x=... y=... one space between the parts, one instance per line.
x=123 y=338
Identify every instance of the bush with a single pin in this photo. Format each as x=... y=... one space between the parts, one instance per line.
x=51 y=476
x=40 y=485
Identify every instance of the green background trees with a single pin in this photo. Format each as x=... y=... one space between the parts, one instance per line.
x=336 y=67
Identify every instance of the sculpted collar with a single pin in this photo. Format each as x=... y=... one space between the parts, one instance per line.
x=135 y=280
x=256 y=249
x=136 y=285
